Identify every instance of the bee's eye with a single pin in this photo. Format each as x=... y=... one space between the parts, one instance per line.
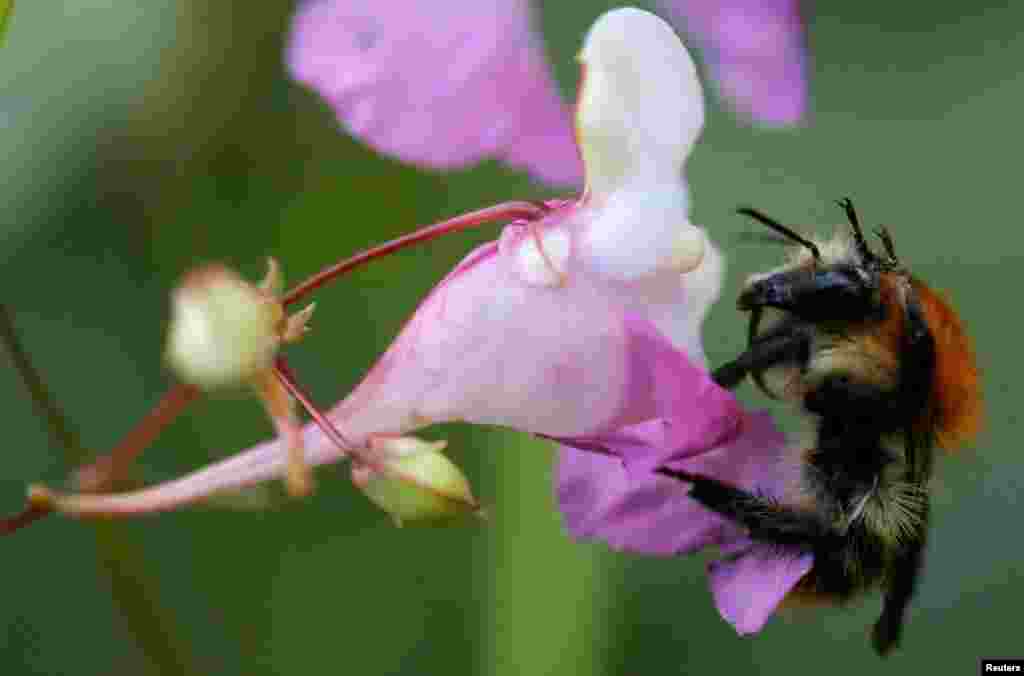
x=838 y=292
x=840 y=282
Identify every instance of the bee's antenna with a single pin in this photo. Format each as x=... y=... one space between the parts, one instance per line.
x=759 y=237
x=770 y=222
x=890 y=250
x=858 y=235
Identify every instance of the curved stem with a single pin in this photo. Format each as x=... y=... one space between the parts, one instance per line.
x=29 y=515
x=245 y=469
x=506 y=211
x=106 y=471
x=121 y=562
x=59 y=427
x=136 y=593
x=287 y=378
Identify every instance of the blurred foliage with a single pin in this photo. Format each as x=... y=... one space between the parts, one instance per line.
x=6 y=8
x=141 y=138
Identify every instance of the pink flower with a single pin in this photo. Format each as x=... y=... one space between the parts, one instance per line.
x=582 y=324
x=447 y=84
x=605 y=497
x=756 y=52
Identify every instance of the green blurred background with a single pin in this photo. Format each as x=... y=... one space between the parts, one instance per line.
x=141 y=138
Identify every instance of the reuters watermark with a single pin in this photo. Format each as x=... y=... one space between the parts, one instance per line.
x=1001 y=666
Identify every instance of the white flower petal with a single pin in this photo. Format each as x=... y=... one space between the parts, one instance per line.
x=641 y=106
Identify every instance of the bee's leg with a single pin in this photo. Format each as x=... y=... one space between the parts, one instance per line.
x=905 y=572
x=769 y=350
x=766 y=519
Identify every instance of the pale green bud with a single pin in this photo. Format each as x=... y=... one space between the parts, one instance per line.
x=224 y=331
x=413 y=481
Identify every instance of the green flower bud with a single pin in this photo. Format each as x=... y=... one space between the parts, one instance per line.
x=223 y=331
x=414 y=481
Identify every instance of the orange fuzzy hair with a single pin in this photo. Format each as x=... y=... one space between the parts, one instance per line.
x=956 y=392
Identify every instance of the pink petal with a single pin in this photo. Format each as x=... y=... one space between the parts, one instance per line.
x=438 y=84
x=643 y=513
x=749 y=586
x=487 y=347
x=756 y=52
x=691 y=412
x=602 y=497
x=490 y=345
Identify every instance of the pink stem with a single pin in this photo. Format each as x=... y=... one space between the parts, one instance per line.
x=506 y=211
x=109 y=469
x=29 y=515
x=106 y=471
x=363 y=456
x=266 y=461
x=287 y=378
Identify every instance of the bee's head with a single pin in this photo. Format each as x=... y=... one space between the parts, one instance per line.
x=833 y=291
x=835 y=281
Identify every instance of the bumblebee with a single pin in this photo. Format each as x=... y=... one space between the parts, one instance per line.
x=882 y=370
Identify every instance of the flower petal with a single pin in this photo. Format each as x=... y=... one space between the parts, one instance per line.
x=749 y=586
x=643 y=513
x=438 y=84
x=681 y=412
x=488 y=346
x=756 y=52
x=641 y=106
x=640 y=111
x=602 y=498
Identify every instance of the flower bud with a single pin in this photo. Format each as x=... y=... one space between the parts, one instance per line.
x=223 y=330
x=414 y=481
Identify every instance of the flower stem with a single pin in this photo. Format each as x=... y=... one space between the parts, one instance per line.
x=108 y=470
x=134 y=591
x=506 y=211
x=280 y=407
x=60 y=428
x=364 y=455
x=361 y=455
x=286 y=377
x=29 y=515
x=137 y=595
